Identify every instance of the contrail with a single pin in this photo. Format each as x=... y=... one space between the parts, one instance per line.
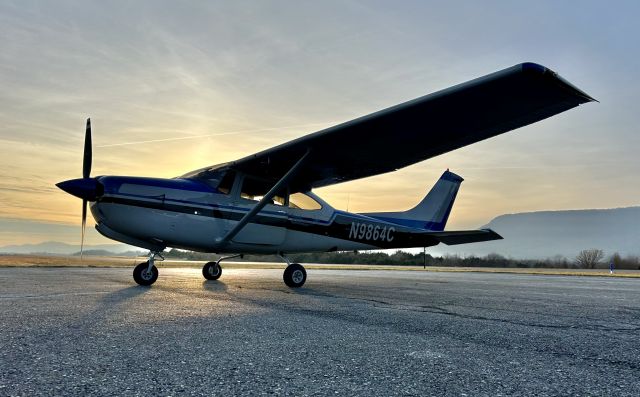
x=535 y=167
x=219 y=134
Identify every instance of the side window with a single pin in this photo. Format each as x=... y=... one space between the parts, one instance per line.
x=303 y=202
x=255 y=189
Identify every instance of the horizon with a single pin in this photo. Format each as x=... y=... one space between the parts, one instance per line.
x=70 y=231
x=166 y=97
x=540 y=235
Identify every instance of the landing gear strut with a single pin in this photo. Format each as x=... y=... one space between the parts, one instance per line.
x=146 y=273
x=294 y=275
x=213 y=271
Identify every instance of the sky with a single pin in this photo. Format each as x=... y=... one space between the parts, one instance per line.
x=175 y=86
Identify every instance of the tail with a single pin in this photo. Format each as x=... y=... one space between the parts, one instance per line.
x=433 y=211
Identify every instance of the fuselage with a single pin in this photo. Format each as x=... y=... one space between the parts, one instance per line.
x=192 y=214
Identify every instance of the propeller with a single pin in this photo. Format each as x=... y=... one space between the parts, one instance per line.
x=87 y=159
x=88 y=153
x=86 y=188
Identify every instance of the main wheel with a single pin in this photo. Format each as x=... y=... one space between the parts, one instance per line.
x=294 y=275
x=211 y=271
x=143 y=276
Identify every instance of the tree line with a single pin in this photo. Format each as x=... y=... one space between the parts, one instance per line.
x=585 y=259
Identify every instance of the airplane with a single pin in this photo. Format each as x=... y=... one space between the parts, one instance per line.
x=264 y=204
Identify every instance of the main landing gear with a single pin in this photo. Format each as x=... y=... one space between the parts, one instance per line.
x=294 y=275
x=146 y=273
x=213 y=271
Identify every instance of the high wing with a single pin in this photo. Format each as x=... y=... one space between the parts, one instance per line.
x=417 y=130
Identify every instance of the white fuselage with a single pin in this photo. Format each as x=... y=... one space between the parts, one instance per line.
x=155 y=214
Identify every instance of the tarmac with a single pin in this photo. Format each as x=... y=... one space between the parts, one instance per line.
x=93 y=331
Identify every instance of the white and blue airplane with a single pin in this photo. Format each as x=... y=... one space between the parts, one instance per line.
x=264 y=204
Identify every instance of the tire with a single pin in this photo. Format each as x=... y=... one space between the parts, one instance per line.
x=142 y=276
x=294 y=275
x=211 y=271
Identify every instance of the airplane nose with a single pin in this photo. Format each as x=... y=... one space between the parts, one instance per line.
x=85 y=188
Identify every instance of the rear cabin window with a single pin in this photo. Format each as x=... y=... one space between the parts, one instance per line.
x=303 y=202
x=255 y=189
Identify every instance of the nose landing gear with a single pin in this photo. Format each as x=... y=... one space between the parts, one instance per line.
x=146 y=273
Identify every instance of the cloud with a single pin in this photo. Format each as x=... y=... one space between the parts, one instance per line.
x=175 y=87
x=240 y=132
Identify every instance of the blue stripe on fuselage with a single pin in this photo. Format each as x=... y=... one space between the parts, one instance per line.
x=413 y=223
x=113 y=183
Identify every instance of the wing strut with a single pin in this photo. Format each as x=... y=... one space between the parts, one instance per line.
x=265 y=199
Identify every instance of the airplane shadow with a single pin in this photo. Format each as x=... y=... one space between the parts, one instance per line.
x=214 y=286
x=105 y=307
x=122 y=295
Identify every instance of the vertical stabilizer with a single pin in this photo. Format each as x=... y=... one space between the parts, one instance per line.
x=433 y=211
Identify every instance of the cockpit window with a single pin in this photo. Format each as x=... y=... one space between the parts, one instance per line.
x=221 y=180
x=226 y=183
x=303 y=202
x=255 y=189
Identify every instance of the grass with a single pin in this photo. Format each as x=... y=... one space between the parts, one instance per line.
x=128 y=262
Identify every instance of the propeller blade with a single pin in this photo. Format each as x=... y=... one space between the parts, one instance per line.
x=88 y=155
x=84 y=224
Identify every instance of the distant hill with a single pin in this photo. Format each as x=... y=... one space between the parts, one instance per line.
x=54 y=247
x=539 y=235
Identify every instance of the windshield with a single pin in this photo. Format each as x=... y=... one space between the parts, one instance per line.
x=219 y=179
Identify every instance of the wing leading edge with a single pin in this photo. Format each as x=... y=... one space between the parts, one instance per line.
x=420 y=129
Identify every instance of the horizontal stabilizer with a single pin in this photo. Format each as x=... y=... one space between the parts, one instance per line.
x=465 y=236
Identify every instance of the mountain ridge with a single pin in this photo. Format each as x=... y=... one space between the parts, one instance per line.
x=548 y=233
x=59 y=248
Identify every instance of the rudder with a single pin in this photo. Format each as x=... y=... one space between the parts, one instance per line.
x=433 y=211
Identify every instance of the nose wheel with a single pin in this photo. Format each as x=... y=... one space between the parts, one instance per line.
x=294 y=275
x=144 y=274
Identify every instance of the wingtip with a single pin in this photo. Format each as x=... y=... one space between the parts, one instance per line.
x=532 y=67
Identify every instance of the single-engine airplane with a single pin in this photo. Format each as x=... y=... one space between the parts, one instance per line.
x=263 y=203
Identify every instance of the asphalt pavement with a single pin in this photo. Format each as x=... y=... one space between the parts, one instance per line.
x=92 y=331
